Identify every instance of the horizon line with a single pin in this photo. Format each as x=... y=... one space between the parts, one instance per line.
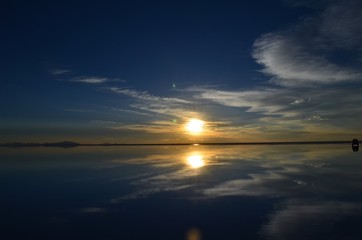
x=76 y=144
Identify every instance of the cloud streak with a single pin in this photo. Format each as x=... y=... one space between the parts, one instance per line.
x=144 y=95
x=164 y=107
x=91 y=80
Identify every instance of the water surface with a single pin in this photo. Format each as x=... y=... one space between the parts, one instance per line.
x=181 y=192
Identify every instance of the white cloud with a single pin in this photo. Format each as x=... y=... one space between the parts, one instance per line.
x=253 y=100
x=91 y=80
x=297 y=102
x=303 y=55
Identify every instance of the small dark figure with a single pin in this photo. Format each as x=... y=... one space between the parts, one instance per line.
x=355 y=145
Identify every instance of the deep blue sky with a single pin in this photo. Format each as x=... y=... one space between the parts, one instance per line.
x=124 y=70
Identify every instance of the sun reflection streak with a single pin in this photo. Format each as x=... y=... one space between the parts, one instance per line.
x=193 y=234
x=195 y=161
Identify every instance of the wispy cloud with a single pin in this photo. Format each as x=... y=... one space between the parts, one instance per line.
x=252 y=100
x=174 y=107
x=104 y=123
x=290 y=108
x=59 y=71
x=128 y=111
x=304 y=54
x=91 y=80
x=144 y=95
x=150 y=127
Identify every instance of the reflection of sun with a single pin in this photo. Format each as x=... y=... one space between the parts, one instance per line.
x=195 y=126
x=195 y=161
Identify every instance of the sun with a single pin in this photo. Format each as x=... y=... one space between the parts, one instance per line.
x=195 y=126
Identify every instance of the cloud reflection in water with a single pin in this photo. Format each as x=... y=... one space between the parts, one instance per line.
x=244 y=170
x=310 y=181
x=287 y=192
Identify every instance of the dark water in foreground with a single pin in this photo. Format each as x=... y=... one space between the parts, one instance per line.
x=181 y=192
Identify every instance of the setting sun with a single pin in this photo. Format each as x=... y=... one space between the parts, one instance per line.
x=195 y=126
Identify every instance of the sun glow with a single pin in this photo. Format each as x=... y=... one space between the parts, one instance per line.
x=195 y=161
x=195 y=126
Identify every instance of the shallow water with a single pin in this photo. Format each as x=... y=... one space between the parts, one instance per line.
x=181 y=192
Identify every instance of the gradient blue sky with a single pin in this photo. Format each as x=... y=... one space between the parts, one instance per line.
x=137 y=71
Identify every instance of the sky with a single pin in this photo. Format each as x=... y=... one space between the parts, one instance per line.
x=139 y=71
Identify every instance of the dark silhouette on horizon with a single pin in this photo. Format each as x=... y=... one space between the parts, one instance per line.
x=355 y=145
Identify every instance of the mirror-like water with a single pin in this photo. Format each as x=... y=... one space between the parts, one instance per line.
x=181 y=192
